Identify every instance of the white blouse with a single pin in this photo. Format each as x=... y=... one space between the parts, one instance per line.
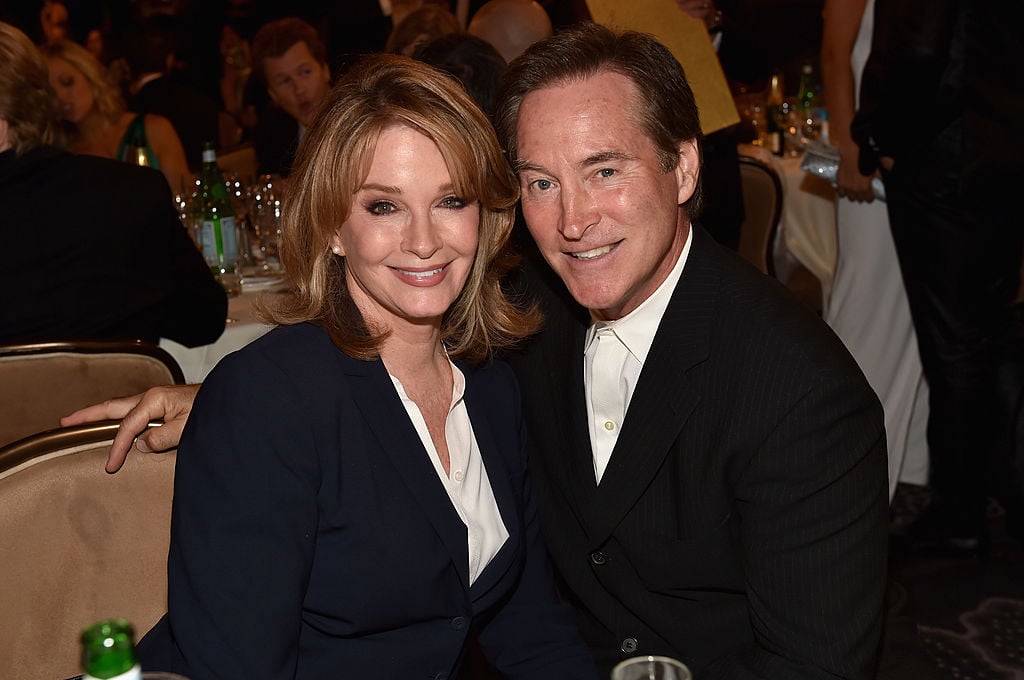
x=468 y=486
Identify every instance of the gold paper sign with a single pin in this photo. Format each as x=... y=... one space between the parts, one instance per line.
x=688 y=40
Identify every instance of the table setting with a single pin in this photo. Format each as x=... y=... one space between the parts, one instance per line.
x=807 y=228
x=257 y=208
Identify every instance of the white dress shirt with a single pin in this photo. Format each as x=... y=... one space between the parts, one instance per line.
x=614 y=356
x=468 y=487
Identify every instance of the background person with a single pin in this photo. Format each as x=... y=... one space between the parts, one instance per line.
x=868 y=307
x=421 y=26
x=157 y=88
x=95 y=119
x=941 y=121
x=510 y=25
x=291 y=59
x=96 y=250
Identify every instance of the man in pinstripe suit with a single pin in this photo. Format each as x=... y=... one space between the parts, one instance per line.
x=709 y=461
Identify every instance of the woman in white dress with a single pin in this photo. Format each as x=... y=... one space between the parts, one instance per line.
x=868 y=307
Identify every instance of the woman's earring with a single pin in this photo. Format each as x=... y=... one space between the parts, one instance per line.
x=337 y=250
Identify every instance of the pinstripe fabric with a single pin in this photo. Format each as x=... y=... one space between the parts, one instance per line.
x=741 y=523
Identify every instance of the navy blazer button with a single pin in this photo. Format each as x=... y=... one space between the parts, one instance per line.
x=598 y=557
x=458 y=623
x=629 y=645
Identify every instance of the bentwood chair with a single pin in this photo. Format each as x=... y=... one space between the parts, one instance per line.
x=77 y=545
x=43 y=382
x=762 y=206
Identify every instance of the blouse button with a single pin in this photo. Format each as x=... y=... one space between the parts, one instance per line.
x=458 y=475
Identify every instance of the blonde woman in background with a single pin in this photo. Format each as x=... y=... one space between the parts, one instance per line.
x=96 y=122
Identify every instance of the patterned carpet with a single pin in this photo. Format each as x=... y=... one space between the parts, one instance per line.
x=970 y=611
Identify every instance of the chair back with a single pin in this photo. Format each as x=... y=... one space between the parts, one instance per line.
x=79 y=545
x=762 y=206
x=43 y=382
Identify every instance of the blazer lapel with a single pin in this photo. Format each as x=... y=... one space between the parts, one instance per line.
x=500 y=477
x=664 y=397
x=381 y=407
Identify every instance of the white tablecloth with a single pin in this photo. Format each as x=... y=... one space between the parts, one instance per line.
x=807 y=230
x=243 y=327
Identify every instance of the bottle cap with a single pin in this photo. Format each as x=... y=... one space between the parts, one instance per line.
x=108 y=648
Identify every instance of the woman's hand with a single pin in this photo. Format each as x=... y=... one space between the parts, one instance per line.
x=849 y=182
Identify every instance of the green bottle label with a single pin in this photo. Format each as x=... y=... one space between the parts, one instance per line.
x=219 y=239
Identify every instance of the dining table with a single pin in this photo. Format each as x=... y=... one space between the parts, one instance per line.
x=243 y=326
x=807 y=226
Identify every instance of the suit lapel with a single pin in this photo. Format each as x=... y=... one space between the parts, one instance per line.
x=572 y=460
x=500 y=477
x=664 y=397
x=381 y=407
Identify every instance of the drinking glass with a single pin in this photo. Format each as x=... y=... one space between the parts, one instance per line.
x=265 y=220
x=651 y=668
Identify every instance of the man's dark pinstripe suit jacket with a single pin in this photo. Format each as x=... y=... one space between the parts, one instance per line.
x=740 y=525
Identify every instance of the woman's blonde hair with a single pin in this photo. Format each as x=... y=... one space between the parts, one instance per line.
x=333 y=162
x=26 y=101
x=109 y=102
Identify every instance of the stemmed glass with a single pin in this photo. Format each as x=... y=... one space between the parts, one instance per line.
x=265 y=218
x=238 y=193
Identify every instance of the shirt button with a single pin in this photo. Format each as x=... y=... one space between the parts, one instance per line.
x=598 y=558
x=629 y=645
x=458 y=623
x=458 y=475
x=609 y=425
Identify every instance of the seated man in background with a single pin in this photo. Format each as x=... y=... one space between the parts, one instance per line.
x=93 y=247
x=157 y=88
x=290 y=57
x=510 y=25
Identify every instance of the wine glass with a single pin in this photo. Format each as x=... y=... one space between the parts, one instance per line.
x=265 y=218
x=651 y=668
x=248 y=242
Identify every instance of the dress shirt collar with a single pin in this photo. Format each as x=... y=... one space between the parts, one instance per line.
x=144 y=80
x=636 y=330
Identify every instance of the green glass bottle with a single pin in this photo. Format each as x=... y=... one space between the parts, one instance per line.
x=108 y=651
x=774 y=116
x=218 y=230
x=807 y=95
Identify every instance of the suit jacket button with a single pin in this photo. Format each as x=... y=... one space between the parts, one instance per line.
x=598 y=557
x=458 y=623
x=629 y=645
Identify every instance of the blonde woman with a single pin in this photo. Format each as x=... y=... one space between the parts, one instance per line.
x=96 y=122
x=351 y=499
